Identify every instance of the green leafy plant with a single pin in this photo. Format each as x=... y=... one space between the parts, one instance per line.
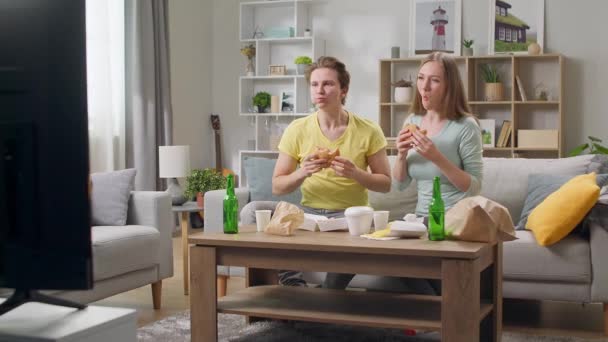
x=593 y=146
x=261 y=100
x=203 y=180
x=490 y=73
x=303 y=60
x=403 y=83
x=467 y=42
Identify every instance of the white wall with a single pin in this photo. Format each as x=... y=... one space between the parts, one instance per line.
x=191 y=39
x=360 y=32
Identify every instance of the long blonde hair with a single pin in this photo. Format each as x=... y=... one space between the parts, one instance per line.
x=455 y=105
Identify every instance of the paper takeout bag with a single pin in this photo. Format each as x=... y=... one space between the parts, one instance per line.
x=479 y=219
x=285 y=220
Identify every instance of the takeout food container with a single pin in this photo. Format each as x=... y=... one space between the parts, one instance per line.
x=359 y=220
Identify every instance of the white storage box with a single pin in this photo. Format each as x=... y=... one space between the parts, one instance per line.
x=537 y=138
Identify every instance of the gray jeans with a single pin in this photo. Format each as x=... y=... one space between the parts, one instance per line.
x=286 y=277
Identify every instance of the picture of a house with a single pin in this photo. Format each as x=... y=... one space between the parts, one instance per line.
x=511 y=33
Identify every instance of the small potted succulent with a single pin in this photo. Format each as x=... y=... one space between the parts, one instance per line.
x=494 y=90
x=467 y=49
x=403 y=91
x=302 y=62
x=262 y=101
x=201 y=181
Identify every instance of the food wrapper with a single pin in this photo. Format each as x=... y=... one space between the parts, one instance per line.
x=479 y=219
x=285 y=220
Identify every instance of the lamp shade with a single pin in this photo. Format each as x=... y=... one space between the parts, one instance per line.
x=173 y=161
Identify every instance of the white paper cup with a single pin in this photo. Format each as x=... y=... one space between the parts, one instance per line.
x=262 y=218
x=380 y=219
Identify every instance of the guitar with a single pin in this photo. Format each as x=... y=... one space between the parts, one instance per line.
x=215 y=123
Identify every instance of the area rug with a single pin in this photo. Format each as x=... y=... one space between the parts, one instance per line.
x=232 y=328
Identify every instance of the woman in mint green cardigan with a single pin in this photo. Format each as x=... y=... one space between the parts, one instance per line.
x=450 y=149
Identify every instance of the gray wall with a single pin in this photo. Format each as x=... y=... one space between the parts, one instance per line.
x=206 y=62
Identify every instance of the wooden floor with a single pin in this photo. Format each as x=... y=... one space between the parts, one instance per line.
x=532 y=317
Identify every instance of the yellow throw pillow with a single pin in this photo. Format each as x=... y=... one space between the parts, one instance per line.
x=560 y=212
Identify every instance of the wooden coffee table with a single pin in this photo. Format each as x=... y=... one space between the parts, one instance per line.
x=470 y=308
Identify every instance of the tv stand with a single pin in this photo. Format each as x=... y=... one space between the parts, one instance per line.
x=21 y=296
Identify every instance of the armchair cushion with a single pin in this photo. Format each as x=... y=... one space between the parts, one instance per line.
x=110 y=197
x=259 y=179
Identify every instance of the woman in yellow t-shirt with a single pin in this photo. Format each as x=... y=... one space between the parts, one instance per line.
x=328 y=188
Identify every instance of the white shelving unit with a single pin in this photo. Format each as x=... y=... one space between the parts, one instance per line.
x=257 y=19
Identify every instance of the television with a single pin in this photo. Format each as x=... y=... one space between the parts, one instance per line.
x=45 y=235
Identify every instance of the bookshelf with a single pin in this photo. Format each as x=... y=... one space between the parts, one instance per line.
x=538 y=121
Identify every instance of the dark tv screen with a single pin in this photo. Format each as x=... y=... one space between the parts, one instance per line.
x=45 y=235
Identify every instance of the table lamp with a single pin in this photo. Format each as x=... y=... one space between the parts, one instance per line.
x=173 y=163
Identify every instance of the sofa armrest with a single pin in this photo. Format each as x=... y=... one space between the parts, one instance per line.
x=214 y=207
x=599 y=261
x=153 y=209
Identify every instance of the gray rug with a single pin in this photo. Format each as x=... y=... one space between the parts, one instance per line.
x=232 y=328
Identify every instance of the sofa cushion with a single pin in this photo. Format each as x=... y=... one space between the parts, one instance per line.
x=110 y=197
x=118 y=250
x=505 y=180
x=259 y=180
x=561 y=211
x=542 y=185
x=397 y=202
x=568 y=261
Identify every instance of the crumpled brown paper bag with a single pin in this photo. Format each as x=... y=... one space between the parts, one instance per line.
x=285 y=220
x=479 y=219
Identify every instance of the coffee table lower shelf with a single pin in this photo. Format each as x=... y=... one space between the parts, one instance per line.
x=382 y=310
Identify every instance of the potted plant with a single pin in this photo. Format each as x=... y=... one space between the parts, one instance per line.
x=262 y=101
x=201 y=181
x=249 y=52
x=493 y=88
x=301 y=63
x=403 y=91
x=593 y=146
x=467 y=50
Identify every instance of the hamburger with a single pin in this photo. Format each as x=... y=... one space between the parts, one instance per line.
x=325 y=153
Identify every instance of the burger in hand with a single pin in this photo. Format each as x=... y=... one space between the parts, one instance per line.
x=325 y=153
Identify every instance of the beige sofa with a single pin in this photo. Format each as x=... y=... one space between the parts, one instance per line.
x=573 y=270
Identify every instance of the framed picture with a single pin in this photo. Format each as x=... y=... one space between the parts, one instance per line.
x=515 y=24
x=277 y=70
x=435 y=26
x=287 y=105
x=488 y=132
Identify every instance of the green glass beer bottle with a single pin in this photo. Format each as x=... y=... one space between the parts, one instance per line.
x=436 y=213
x=231 y=208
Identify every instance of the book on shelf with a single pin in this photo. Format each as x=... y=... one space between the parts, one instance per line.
x=503 y=136
x=316 y=223
x=520 y=86
x=507 y=142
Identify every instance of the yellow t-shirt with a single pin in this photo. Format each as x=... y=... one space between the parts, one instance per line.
x=324 y=189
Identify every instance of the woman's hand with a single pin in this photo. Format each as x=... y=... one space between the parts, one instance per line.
x=344 y=167
x=311 y=164
x=425 y=146
x=404 y=143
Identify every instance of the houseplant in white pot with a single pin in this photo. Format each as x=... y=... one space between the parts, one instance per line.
x=302 y=62
x=403 y=91
x=493 y=90
x=467 y=49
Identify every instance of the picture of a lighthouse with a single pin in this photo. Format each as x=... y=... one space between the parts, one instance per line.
x=435 y=26
x=439 y=20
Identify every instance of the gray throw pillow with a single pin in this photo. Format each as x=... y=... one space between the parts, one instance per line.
x=110 y=197
x=542 y=185
x=259 y=180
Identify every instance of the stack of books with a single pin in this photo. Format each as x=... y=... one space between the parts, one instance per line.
x=504 y=138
